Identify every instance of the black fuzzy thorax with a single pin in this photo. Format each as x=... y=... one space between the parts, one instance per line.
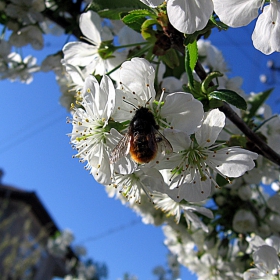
x=143 y=121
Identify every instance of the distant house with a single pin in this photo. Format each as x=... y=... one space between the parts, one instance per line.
x=25 y=227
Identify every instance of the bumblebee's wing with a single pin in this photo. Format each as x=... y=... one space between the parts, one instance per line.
x=152 y=141
x=121 y=149
x=163 y=144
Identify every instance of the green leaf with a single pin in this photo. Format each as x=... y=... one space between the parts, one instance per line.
x=136 y=18
x=221 y=181
x=188 y=68
x=218 y=23
x=170 y=58
x=147 y=31
x=205 y=86
x=112 y=9
x=149 y=23
x=193 y=52
x=237 y=140
x=230 y=97
x=256 y=102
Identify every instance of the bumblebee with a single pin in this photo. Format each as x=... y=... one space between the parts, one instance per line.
x=142 y=139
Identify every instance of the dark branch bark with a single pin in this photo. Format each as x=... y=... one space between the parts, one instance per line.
x=263 y=148
x=69 y=25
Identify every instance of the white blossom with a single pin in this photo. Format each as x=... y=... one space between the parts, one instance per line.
x=266 y=33
x=89 y=55
x=137 y=85
x=191 y=176
x=30 y=34
x=89 y=134
x=19 y=68
x=131 y=185
x=28 y=11
x=236 y=13
x=242 y=12
x=186 y=16
x=244 y=221
x=266 y=259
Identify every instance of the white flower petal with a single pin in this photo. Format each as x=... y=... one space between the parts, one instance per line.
x=171 y=84
x=128 y=36
x=75 y=74
x=79 y=53
x=266 y=33
x=107 y=97
x=196 y=191
x=244 y=221
x=274 y=241
x=182 y=111
x=253 y=274
x=152 y=3
x=266 y=259
x=256 y=242
x=123 y=110
x=189 y=16
x=211 y=127
x=202 y=210
x=152 y=179
x=178 y=139
x=89 y=133
x=232 y=162
x=137 y=76
x=100 y=167
x=236 y=13
x=195 y=220
x=90 y=24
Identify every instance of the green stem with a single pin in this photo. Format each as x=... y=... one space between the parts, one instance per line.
x=130 y=45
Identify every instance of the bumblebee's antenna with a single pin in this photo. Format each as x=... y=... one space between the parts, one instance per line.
x=130 y=104
x=136 y=106
x=148 y=101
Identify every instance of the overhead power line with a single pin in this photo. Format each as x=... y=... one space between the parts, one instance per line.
x=111 y=231
x=28 y=131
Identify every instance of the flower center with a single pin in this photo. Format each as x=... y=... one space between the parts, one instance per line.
x=192 y=162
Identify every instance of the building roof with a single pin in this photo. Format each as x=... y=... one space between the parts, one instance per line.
x=36 y=206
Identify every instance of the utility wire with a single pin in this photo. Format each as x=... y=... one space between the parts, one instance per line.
x=111 y=231
x=29 y=131
x=28 y=125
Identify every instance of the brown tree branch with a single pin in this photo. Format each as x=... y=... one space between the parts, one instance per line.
x=263 y=148
x=71 y=24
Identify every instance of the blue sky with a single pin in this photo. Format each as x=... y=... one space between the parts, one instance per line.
x=35 y=155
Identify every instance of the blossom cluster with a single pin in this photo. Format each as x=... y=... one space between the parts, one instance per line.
x=28 y=20
x=59 y=246
x=188 y=172
x=178 y=181
x=190 y=16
